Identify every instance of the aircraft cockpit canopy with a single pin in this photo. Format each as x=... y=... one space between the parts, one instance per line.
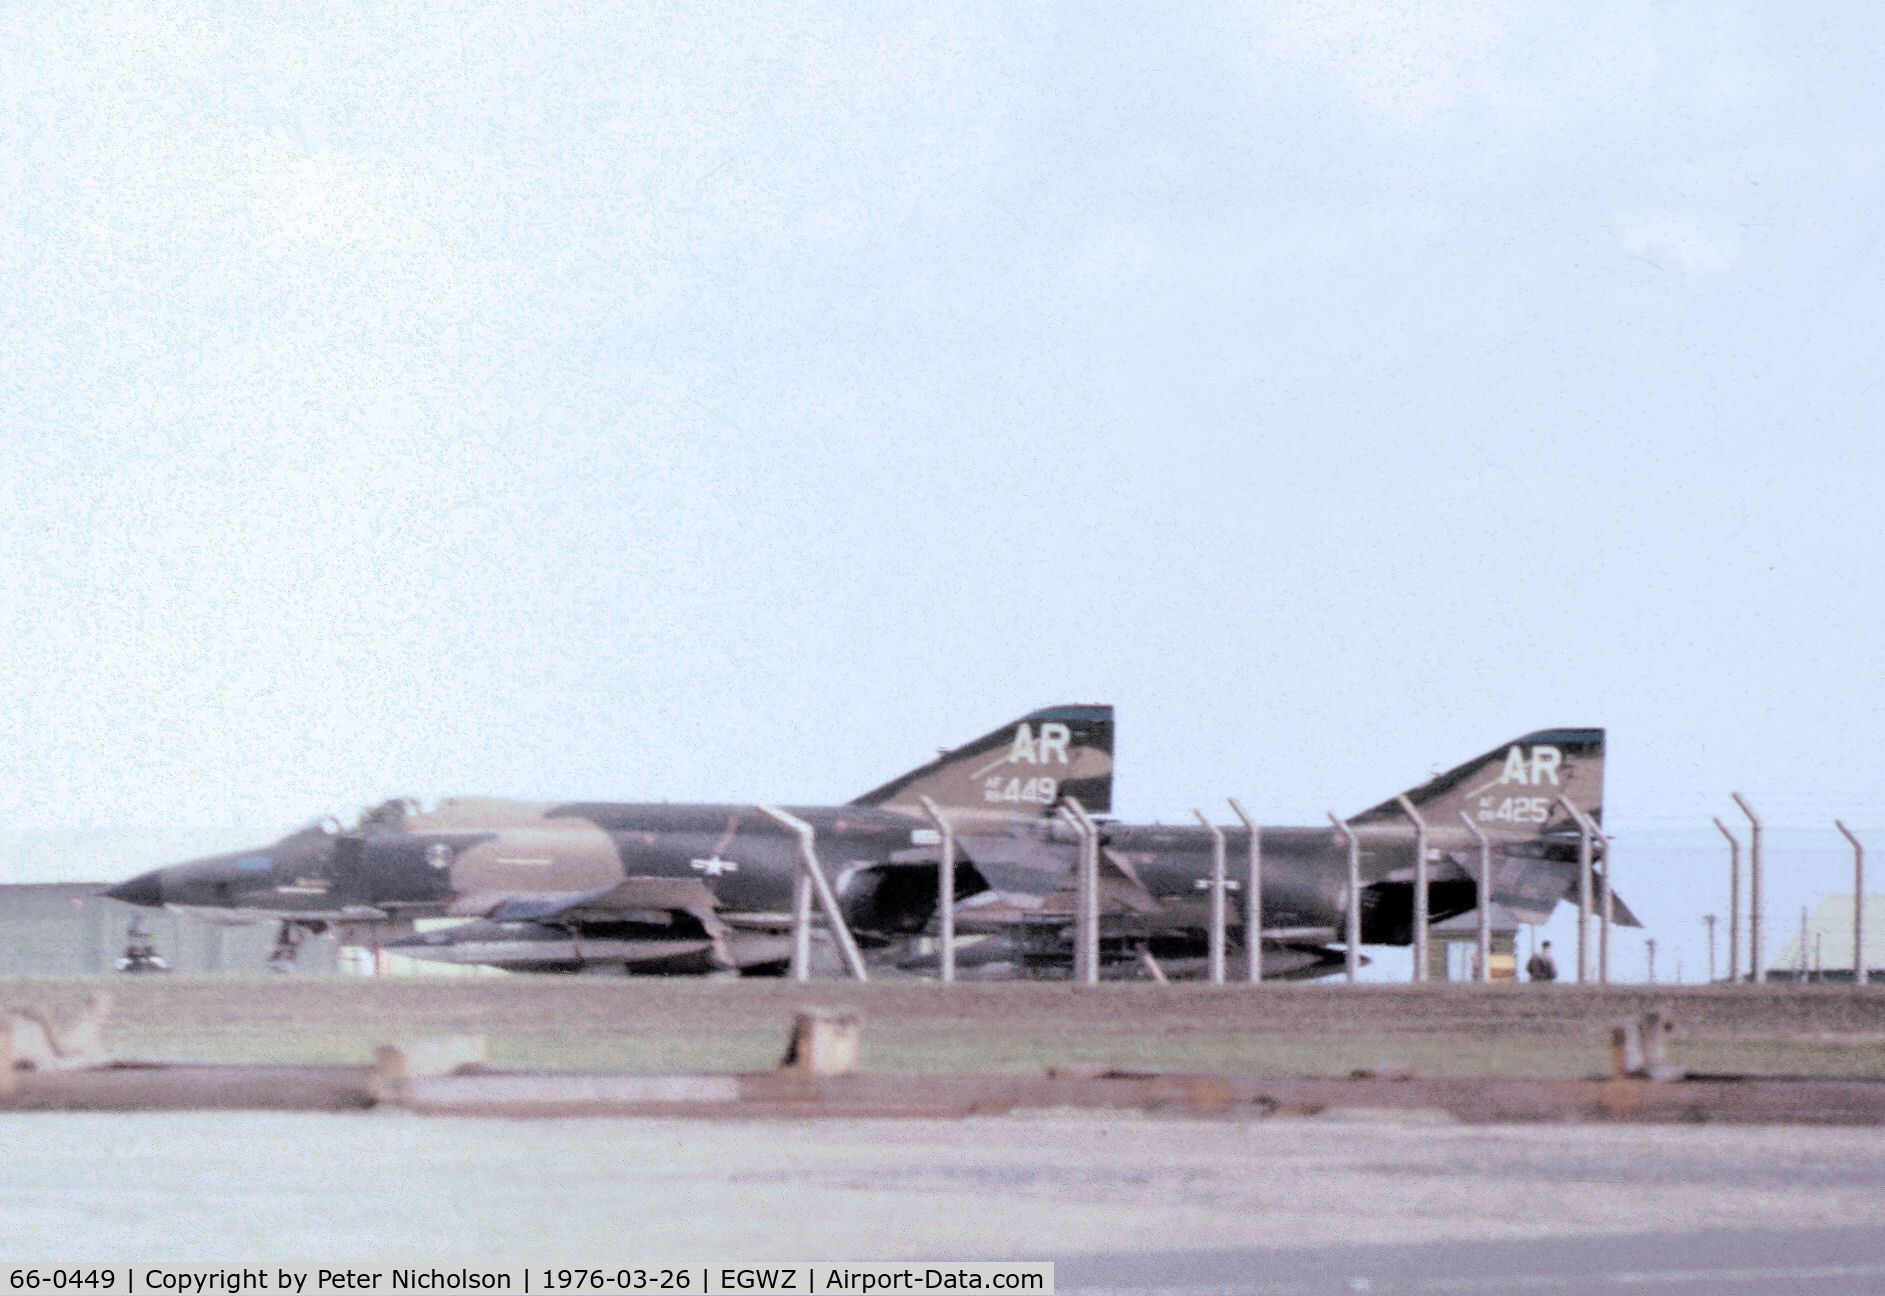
x=325 y=826
x=388 y=814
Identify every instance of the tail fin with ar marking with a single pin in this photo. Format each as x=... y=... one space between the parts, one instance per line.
x=1514 y=789
x=1515 y=795
x=1024 y=766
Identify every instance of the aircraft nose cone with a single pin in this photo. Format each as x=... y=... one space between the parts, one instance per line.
x=145 y=889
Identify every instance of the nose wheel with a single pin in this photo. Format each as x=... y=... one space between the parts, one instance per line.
x=288 y=938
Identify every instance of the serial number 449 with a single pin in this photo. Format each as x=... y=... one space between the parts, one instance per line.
x=62 y=1279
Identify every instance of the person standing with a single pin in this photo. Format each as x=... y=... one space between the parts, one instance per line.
x=1540 y=966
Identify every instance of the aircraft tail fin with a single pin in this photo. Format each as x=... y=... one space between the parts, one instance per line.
x=1514 y=790
x=1027 y=764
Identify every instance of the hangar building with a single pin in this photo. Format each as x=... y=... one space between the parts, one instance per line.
x=59 y=929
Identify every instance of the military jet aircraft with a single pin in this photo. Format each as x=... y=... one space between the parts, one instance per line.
x=650 y=887
x=1155 y=879
x=657 y=888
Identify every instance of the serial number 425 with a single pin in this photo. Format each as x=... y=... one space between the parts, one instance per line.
x=1517 y=810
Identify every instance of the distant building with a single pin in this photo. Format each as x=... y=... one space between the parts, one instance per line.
x=64 y=928
x=67 y=929
x=1453 y=947
x=1825 y=953
x=57 y=929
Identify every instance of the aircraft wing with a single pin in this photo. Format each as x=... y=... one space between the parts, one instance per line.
x=1017 y=860
x=629 y=896
x=1530 y=887
x=639 y=921
x=1121 y=891
x=1620 y=911
x=622 y=900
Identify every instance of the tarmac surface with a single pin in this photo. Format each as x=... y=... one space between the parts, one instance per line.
x=1125 y=1204
x=1761 y=1262
x=1122 y=1202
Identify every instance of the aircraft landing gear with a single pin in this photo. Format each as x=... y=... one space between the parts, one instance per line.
x=288 y=938
x=140 y=952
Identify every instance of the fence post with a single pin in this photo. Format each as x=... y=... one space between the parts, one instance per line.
x=1354 y=897
x=1734 y=902
x=1214 y=948
x=1253 y=900
x=1086 y=921
x=1755 y=972
x=1588 y=831
x=1607 y=919
x=1485 y=898
x=809 y=867
x=1583 y=892
x=801 y=969
x=1421 y=907
x=1858 y=904
x=945 y=893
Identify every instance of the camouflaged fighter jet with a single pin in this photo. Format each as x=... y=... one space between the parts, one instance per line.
x=602 y=887
x=1155 y=879
x=660 y=888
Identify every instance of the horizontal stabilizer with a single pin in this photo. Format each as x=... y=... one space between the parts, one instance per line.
x=1620 y=913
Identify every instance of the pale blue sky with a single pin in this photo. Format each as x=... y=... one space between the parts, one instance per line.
x=717 y=403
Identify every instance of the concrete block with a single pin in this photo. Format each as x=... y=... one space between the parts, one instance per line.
x=396 y=1066
x=825 y=1042
x=1626 y=1049
x=35 y=1044
x=1639 y=1049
